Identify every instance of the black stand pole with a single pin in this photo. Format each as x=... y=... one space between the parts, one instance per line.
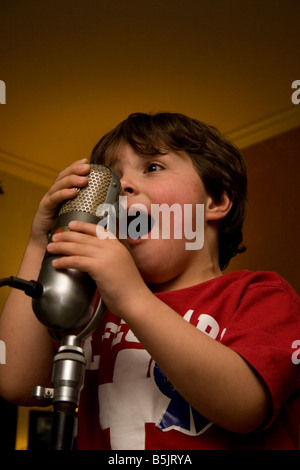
x=67 y=382
x=62 y=434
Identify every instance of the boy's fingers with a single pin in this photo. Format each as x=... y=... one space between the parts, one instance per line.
x=83 y=227
x=91 y=229
x=69 y=181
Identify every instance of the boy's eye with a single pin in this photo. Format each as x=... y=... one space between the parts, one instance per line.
x=153 y=167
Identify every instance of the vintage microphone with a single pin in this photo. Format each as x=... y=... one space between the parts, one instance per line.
x=67 y=303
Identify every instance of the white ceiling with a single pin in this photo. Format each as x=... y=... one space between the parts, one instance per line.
x=74 y=69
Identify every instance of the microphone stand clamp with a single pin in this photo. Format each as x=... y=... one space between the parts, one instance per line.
x=67 y=382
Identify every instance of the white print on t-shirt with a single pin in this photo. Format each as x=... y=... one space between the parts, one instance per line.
x=206 y=323
x=134 y=397
x=130 y=401
x=92 y=361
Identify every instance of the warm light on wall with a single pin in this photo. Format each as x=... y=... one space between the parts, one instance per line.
x=22 y=433
x=22 y=428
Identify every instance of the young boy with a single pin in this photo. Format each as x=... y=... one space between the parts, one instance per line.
x=185 y=357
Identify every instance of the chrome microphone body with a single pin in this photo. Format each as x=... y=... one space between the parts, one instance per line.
x=69 y=296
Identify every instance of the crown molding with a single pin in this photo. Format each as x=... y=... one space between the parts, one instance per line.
x=266 y=128
x=29 y=171
x=244 y=137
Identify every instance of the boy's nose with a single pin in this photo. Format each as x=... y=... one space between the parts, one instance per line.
x=128 y=187
x=127 y=190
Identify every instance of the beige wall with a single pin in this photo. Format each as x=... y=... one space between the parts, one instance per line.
x=272 y=224
x=17 y=208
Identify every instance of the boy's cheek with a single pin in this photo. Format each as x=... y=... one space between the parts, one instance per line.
x=185 y=189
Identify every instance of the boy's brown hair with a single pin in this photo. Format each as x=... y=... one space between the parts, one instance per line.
x=218 y=162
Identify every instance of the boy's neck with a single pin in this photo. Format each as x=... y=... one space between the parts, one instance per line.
x=189 y=280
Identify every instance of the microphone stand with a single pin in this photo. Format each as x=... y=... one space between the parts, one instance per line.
x=67 y=382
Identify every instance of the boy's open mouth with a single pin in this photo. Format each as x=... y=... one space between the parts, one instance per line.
x=138 y=225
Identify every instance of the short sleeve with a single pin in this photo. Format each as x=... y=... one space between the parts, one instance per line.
x=263 y=331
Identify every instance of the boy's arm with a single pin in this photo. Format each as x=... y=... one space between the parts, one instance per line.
x=214 y=379
x=28 y=345
x=29 y=350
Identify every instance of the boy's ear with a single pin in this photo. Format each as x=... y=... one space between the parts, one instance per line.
x=218 y=210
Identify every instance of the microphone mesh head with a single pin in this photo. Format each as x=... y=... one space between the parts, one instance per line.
x=93 y=195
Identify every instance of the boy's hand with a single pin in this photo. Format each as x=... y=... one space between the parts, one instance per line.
x=62 y=189
x=105 y=259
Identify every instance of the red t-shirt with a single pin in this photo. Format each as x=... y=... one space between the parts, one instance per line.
x=128 y=403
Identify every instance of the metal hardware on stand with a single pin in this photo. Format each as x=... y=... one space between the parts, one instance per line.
x=67 y=382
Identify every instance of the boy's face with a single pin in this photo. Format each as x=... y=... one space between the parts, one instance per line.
x=155 y=180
